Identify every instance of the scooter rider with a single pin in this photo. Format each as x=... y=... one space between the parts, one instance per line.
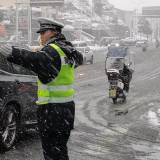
x=125 y=73
x=144 y=46
x=157 y=43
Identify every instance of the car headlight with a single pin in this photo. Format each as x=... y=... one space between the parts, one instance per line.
x=109 y=45
x=117 y=45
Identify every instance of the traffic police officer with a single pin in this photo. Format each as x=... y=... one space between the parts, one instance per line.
x=54 y=65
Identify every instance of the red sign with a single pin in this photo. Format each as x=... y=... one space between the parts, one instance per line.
x=2 y=29
x=23 y=22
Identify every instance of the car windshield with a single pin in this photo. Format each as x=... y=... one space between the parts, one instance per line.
x=75 y=44
x=90 y=43
x=141 y=41
x=80 y=49
x=115 y=41
x=117 y=52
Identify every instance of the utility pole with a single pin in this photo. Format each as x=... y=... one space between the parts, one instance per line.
x=81 y=21
x=158 y=28
x=29 y=24
x=131 y=28
x=91 y=12
x=16 y=21
x=134 y=27
x=136 y=17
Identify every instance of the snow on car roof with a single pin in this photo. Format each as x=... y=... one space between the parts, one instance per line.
x=77 y=42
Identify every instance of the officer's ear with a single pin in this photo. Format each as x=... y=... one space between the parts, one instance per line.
x=55 y=33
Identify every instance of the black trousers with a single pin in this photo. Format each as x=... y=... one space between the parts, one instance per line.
x=54 y=145
x=55 y=122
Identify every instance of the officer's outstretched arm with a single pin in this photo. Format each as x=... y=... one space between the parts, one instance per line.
x=27 y=59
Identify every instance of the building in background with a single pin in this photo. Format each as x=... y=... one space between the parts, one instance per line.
x=9 y=3
x=129 y=21
x=121 y=14
x=152 y=14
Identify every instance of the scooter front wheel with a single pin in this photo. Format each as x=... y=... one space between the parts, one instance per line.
x=114 y=100
x=124 y=98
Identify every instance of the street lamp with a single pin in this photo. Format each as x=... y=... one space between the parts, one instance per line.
x=137 y=4
x=136 y=15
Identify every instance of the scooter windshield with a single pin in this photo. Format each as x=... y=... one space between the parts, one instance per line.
x=117 y=52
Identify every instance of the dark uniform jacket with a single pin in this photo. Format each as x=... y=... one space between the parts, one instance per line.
x=47 y=64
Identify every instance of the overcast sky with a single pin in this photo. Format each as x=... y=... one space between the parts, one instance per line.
x=128 y=5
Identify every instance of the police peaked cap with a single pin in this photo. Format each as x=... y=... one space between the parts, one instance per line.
x=46 y=24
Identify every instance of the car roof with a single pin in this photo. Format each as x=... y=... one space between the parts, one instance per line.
x=116 y=41
x=14 y=44
x=78 y=42
x=110 y=37
x=141 y=40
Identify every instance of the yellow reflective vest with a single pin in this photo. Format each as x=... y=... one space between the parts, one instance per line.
x=60 y=90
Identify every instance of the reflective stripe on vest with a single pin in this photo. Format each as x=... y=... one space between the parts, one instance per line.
x=55 y=100
x=55 y=88
x=63 y=61
x=60 y=90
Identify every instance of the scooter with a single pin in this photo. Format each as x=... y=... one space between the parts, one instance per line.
x=144 y=49
x=157 y=45
x=116 y=87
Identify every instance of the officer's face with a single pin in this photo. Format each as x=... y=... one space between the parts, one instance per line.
x=46 y=35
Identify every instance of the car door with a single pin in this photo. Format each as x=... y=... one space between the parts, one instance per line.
x=86 y=50
x=7 y=84
x=88 y=53
x=26 y=82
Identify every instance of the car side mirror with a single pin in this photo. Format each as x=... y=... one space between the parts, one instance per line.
x=87 y=50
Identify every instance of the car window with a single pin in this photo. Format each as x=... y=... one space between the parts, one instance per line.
x=75 y=45
x=5 y=65
x=80 y=49
x=89 y=43
x=82 y=44
x=21 y=70
x=115 y=41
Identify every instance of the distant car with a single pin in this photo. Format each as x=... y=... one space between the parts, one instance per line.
x=129 y=41
x=116 y=43
x=18 y=96
x=82 y=47
x=90 y=43
x=140 y=42
x=107 y=40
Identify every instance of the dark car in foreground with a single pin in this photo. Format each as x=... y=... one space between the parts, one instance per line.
x=18 y=96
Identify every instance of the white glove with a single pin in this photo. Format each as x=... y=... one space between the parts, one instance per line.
x=6 y=50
